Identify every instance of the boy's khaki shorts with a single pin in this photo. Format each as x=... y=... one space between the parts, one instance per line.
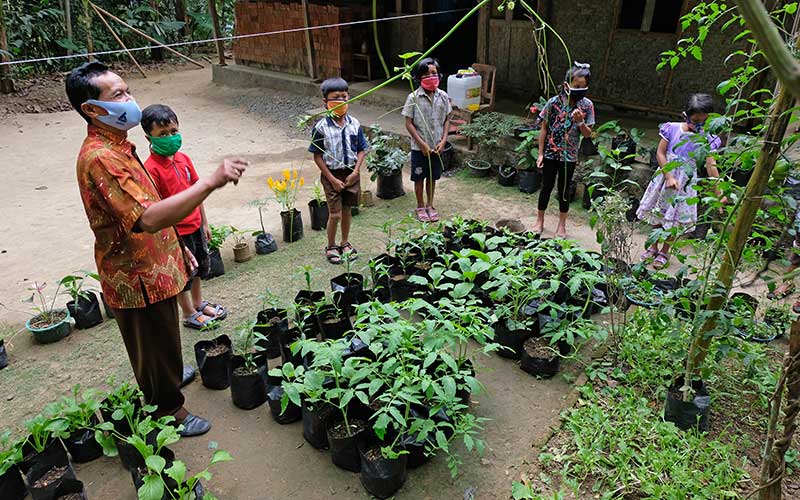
x=348 y=197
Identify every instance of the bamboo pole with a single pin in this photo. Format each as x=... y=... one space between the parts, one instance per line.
x=146 y=36
x=312 y=57
x=212 y=11
x=770 y=149
x=6 y=83
x=119 y=41
x=774 y=464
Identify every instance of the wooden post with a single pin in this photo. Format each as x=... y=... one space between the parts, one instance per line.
x=484 y=20
x=610 y=42
x=146 y=36
x=181 y=15
x=87 y=22
x=6 y=83
x=212 y=10
x=68 y=23
x=312 y=58
x=119 y=41
x=671 y=71
x=421 y=21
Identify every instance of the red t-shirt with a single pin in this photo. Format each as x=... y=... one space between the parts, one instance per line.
x=172 y=177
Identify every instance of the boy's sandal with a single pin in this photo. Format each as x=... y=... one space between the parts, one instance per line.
x=349 y=251
x=661 y=261
x=333 y=255
x=422 y=215
x=649 y=254
x=781 y=292
x=219 y=311
x=433 y=215
x=195 y=323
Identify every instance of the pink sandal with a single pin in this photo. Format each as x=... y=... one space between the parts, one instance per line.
x=433 y=215
x=661 y=261
x=649 y=254
x=422 y=215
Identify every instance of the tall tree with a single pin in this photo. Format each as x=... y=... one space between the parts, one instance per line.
x=6 y=83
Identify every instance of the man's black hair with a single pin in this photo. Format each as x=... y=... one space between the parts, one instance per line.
x=578 y=70
x=81 y=87
x=422 y=68
x=699 y=103
x=157 y=114
x=333 y=85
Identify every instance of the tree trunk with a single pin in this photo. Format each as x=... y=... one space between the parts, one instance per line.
x=6 y=83
x=212 y=10
x=181 y=15
x=774 y=460
x=87 y=21
x=770 y=149
x=68 y=22
x=156 y=53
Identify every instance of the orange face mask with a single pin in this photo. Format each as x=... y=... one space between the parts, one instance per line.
x=340 y=111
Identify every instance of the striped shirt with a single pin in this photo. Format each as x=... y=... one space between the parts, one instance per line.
x=339 y=145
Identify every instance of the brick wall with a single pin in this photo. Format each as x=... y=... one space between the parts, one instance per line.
x=286 y=52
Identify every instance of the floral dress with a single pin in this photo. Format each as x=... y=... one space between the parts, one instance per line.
x=686 y=152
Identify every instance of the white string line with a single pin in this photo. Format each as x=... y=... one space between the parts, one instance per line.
x=232 y=37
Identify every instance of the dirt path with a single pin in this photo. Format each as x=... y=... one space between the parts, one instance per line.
x=45 y=236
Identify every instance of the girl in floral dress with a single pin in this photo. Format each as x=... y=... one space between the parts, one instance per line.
x=684 y=148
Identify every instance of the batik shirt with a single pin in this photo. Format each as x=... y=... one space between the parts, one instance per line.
x=563 y=135
x=116 y=190
x=339 y=145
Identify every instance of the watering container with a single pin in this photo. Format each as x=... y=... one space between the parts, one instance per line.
x=464 y=89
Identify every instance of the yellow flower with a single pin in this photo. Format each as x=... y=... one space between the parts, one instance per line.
x=286 y=174
x=271 y=183
x=294 y=174
x=293 y=185
x=302 y=181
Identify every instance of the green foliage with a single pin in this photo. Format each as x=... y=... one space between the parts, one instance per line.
x=528 y=150
x=218 y=236
x=385 y=158
x=74 y=285
x=489 y=130
x=10 y=452
x=77 y=411
x=244 y=344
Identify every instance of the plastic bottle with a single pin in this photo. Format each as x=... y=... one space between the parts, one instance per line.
x=464 y=90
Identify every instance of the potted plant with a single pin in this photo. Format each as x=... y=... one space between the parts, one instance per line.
x=285 y=191
x=248 y=379
x=241 y=249
x=385 y=164
x=291 y=412
x=12 y=486
x=160 y=479
x=512 y=293
x=305 y=303
x=318 y=208
x=218 y=236
x=213 y=357
x=271 y=323
x=42 y=451
x=79 y=412
x=49 y=324
x=527 y=154
x=84 y=306
x=489 y=130
x=346 y=287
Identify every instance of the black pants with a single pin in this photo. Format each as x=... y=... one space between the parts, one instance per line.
x=556 y=170
x=152 y=337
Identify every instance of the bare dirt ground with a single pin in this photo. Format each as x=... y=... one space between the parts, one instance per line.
x=45 y=236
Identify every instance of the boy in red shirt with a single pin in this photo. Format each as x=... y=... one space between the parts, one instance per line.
x=173 y=172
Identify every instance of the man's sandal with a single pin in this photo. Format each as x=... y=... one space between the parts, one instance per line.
x=195 y=323
x=219 y=311
x=333 y=255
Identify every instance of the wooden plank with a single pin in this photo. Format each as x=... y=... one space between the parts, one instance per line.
x=312 y=59
x=671 y=71
x=119 y=41
x=484 y=17
x=522 y=51
x=614 y=24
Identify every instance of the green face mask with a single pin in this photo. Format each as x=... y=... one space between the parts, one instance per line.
x=166 y=146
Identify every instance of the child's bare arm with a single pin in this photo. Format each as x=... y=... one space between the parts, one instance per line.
x=412 y=130
x=326 y=172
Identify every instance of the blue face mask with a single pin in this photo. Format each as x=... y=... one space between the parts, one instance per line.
x=121 y=115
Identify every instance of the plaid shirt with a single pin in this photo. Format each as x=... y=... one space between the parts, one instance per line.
x=338 y=145
x=116 y=190
x=428 y=114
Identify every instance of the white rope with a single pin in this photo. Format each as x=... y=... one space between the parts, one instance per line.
x=233 y=37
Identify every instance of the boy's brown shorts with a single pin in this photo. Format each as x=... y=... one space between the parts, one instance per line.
x=347 y=197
